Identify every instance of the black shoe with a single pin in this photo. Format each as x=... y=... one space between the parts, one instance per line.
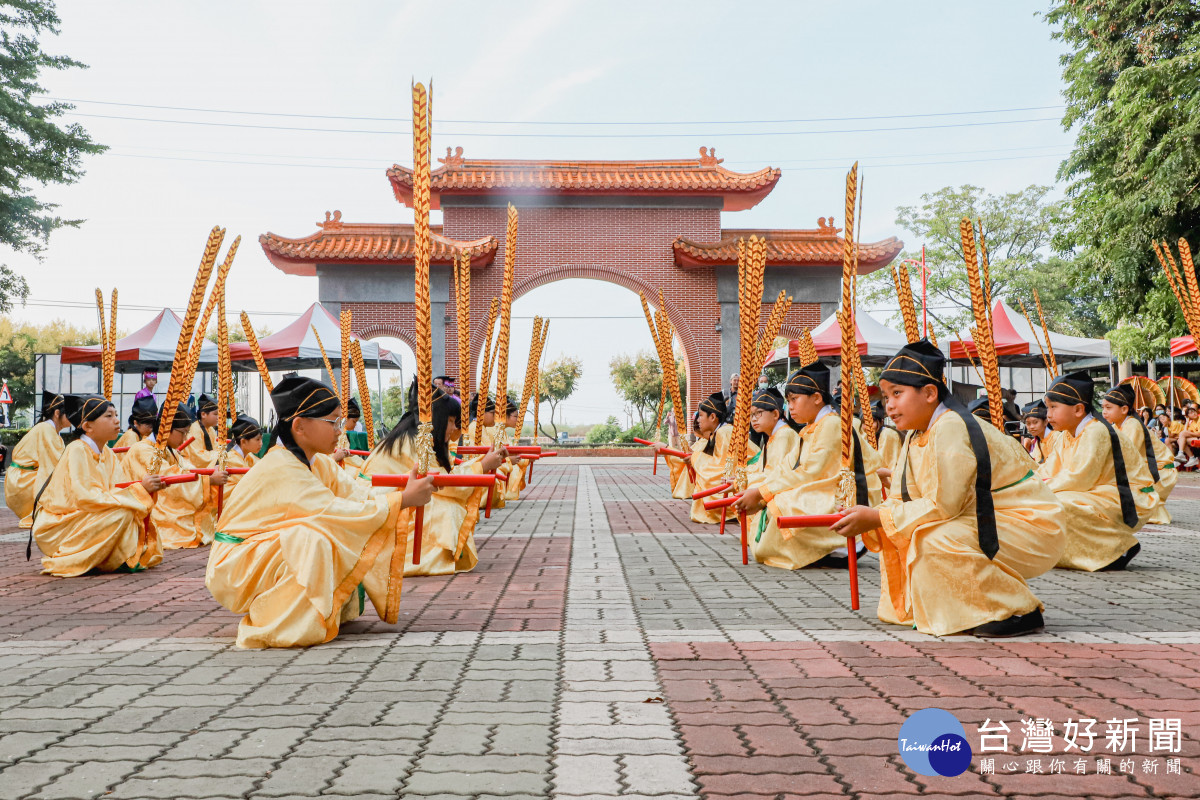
x=1016 y=625
x=1123 y=561
x=832 y=562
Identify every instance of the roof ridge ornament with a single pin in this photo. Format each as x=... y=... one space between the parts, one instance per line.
x=455 y=160
x=827 y=227
x=332 y=222
x=708 y=157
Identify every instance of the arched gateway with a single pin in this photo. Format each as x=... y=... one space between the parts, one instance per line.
x=640 y=224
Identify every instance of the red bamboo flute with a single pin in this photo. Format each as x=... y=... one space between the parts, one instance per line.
x=825 y=521
x=167 y=480
x=485 y=479
x=710 y=492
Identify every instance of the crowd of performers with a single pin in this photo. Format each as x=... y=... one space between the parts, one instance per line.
x=960 y=513
x=299 y=541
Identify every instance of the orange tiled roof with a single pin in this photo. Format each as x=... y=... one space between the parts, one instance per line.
x=703 y=176
x=357 y=243
x=818 y=247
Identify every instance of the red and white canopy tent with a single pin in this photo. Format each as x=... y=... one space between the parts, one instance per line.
x=876 y=342
x=295 y=346
x=1016 y=345
x=150 y=347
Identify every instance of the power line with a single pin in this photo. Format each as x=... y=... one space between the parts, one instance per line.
x=555 y=122
x=863 y=162
x=477 y=134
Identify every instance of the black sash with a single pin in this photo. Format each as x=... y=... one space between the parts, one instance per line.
x=1128 y=510
x=33 y=517
x=860 y=476
x=985 y=512
x=1151 y=461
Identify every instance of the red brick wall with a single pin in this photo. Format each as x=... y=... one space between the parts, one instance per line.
x=627 y=246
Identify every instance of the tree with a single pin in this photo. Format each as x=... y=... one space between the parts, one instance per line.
x=605 y=433
x=34 y=148
x=638 y=379
x=236 y=334
x=20 y=343
x=1132 y=75
x=558 y=381
x=1018 y=228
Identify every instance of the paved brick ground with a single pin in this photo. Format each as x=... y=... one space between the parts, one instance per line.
x=604 y=647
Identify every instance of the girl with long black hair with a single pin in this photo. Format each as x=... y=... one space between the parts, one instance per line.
x=448 y=542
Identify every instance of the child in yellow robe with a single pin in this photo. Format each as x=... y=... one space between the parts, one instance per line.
x=888 y=438
x=141 y=423
x=301 y=544
x=34 y=458
x=707 y=459
x=247 y=441
x=1038 y=436
x=203 y=433
x=83 y=522
x=350 y=462
x=184 y=513
x=447 y=538
x=777 y=435
x=808 y=483
x=967 y=522
x=1155 y=469
x=1086 y=470
x=489 y=432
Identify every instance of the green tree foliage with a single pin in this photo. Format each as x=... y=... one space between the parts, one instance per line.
x=1132 y=77
x=605 y=433
x=21 y=342
x=1019 y=228
x=558 y=382
x=34 y=147
x=638 y=380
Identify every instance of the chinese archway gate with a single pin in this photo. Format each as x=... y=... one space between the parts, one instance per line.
x=640 y=224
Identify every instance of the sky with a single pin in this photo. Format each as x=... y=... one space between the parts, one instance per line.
x=262 y=116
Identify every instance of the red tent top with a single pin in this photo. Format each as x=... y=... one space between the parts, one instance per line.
x=150 y=347
x=1182 y=345
x=1008 y=341
x=295 y=346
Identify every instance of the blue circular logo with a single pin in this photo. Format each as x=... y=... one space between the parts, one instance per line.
x=932 y=742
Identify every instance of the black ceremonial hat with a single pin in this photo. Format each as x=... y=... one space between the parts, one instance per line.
x=918 y=364
x=1073 y=388
x=303 y=397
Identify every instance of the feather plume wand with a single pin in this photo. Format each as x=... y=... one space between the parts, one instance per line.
x=423 y=248
x=485 y=377
x=259 y=362
x=655 y=335
x=981 y=334
x=1046 y=333
x=1041 y=350
x=537 y=386
x=346 y=320
x=666 y=335
x=103 y=345
x=908 y=307
x=805 y=348
x=181 y=383
x=210 y=305
x=506 y=293
x=110 y=364
x=779 y=310
x=328 y=365
x=530 y=367
x=224 y=379
x=849 y=343
x=751 y=265
x=462 y=307
x=364 y=391
x=860 y=375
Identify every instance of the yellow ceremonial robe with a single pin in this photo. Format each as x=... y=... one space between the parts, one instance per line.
x=85 y=523
x=196 y=453
x=127 y=439
x=236 y=458
x=1132 y=429
x=33 y=461
x=710 y=472
x=781 y=444
x=933 y=574
x=807 y=484
x=183 y=513
x=890 y=441
x=487 y=439
x=449 y=519
x=298 y=550
x=1079 y=470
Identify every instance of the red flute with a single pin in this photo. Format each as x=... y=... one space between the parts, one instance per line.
x=710 y=492
x=486 y=479
x=211 y=470
x=721 y=502
x=166 y=479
